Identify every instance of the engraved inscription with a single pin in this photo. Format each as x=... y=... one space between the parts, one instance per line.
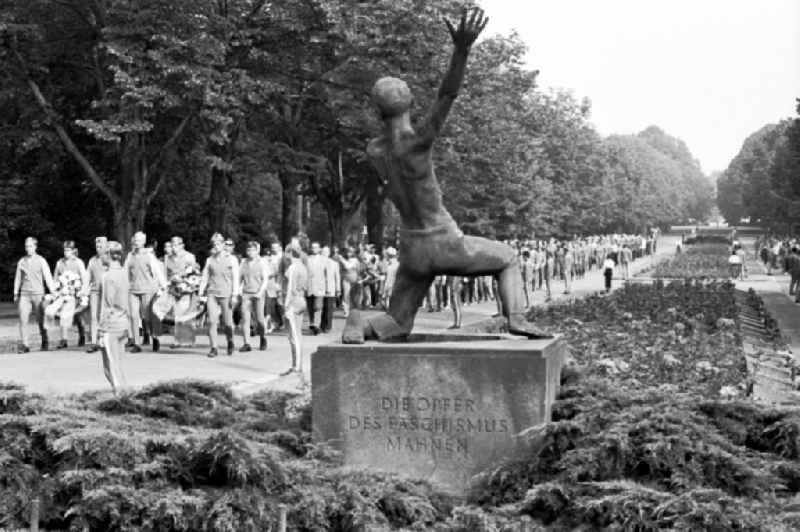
x=438 y=426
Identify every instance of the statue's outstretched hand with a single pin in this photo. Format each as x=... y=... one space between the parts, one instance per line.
x=468 y=29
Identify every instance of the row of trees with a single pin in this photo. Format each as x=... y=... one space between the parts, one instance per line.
x=192 y=116
x=763 y=181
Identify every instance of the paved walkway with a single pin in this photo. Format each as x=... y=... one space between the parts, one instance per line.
x=774 y=291
x=73 y=371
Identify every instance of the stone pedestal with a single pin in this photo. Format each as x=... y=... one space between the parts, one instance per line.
x=438 y=407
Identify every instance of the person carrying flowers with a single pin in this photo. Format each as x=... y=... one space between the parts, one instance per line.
x=70 y=298
x=183 y=274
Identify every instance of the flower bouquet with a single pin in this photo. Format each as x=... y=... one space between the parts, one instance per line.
x=188 y=282
x=179 y=301
x=68 y=298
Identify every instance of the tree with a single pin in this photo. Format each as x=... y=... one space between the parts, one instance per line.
x=745 y=189
x=150 y=69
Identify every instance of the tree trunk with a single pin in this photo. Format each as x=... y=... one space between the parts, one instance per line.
x=374 y=213
x=288 y=199
x=219 y=200
x=336 y=226
x=127 y=221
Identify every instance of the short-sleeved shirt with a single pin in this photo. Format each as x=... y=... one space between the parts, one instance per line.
x=221 y=273
x=114 y=300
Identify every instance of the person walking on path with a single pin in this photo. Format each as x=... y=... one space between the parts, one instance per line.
x=30 y=280
x=69 y=309
x=333 y=284
x=350 y=289
x=146 y=279
x=114 y=317
x=608 y=271
x=274 y=310
x=391 y=275
x=549 y=270
x=254 y=279
x=569 y=265
x=743 y=259
x=454 y=294
x=735 y=265
x=179 y=264
x=625 y=260
x=97 y=267
x=793 y=267
x=295 y=306
x=527 y=270
x=316 y=287
x=220 y=286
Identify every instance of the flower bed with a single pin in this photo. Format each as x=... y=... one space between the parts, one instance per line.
x=707 y=239
x=708 y=261
x=644 y=437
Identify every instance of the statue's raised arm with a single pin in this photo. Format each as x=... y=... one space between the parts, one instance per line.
x=471 y=25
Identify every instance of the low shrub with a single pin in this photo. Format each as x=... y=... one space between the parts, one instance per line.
x=701 y=261
x=639 y=440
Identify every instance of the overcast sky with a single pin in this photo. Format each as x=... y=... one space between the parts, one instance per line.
x=707 y=71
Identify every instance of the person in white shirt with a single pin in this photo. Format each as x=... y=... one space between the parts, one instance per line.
x=333 y=283
x=316 y=287
x=735 y=265
x=254 y=277
x=220 y=285
x=31 y=279
x=391 y=275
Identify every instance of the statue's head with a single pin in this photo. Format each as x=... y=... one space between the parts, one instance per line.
x=392 y=96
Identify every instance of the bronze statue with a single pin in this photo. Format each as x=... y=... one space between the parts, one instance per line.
x=430 y=241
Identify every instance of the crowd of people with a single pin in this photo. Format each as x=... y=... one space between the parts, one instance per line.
x=781 y=253
x=122 y=301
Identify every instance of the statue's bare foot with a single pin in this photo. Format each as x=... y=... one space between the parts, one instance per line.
x=518 y=325
x=454 y=326
x=353 y=328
